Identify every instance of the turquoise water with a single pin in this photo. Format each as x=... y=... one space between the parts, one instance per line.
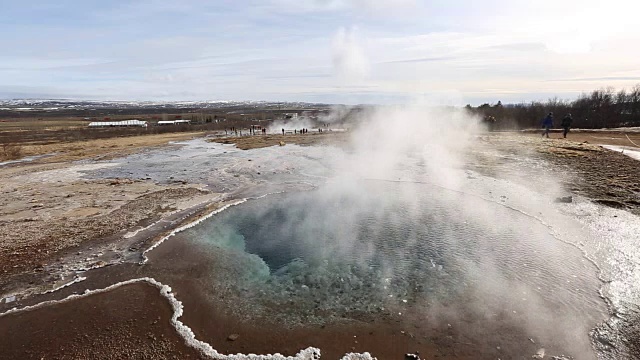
x=362 y=249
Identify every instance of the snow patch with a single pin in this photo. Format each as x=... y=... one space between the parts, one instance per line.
x=632 y=152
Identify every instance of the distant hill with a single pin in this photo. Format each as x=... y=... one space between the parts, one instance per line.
x=62 y=104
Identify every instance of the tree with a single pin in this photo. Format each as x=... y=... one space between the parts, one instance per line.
x=633 y=105
x=604 y=107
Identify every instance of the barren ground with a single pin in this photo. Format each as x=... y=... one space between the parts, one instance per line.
x=254 y=142
x=607 y=177
x=48 y=213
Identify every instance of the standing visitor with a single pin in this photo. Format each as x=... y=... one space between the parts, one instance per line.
x=547 y=123
x=566 y=124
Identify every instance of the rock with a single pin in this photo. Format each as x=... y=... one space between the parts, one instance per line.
x=233 y=337
x=539 y=354
x=282 y=143
x=564 y=199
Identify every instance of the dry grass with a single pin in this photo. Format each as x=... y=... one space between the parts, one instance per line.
x=50 y=124
x=11 y=152
x=104 y=148
x=595 y=137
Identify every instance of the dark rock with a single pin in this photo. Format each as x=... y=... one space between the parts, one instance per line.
x=565 y=199
x=611 y=203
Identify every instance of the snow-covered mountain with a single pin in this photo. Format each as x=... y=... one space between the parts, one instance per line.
x=63 y=104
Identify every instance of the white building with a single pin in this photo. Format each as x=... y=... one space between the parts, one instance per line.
x=123 y=123
x=174 y=122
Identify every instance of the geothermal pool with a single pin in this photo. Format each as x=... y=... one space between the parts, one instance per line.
x=361 y=248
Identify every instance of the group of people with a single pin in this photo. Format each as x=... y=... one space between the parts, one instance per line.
x=252 y=130
x=232 y=130
x=296 y=131
x=547 y=124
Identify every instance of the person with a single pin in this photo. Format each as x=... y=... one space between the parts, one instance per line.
x=566 y=124
x=282 y=131
x=547 y=123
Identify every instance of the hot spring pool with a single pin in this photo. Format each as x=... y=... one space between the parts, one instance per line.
x=350 y=249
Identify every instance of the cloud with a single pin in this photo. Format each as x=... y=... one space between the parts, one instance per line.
x=426 y=59
x=271 y=48
x=525 y=46
x=604 y=78
x=375 y=6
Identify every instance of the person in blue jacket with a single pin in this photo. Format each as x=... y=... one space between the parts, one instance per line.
x=547 y=124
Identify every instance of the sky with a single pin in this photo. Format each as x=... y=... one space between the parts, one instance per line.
x=331 y=51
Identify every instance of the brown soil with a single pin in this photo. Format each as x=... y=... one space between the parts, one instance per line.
x=129 y=322
x=607 y=177
x=598 y=137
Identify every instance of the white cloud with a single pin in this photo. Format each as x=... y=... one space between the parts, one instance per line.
x=287 y=48
x=372 y=6
x=566 y=27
